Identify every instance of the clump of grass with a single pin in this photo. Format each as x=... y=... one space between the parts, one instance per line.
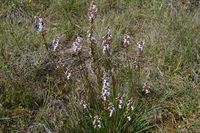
x=93 y=116
x=107 y=80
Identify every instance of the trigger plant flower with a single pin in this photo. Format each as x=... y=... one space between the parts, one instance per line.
x=106 y=87
x=130 y=105
x=111 y=109
x=77 y=44
x=84 y=104
x=92 y=12
x=129 y=118
x=146 y=88
x=140 y=45
x=55 y=43
x=97 y=122
x=38 y=24
x=68 y=75
x=106 y=42
x=106 y=47
x=109 y=35
x=126 y=41
x=120 y=101
x=91 y=37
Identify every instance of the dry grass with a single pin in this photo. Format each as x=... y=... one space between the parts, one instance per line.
x=42 y=90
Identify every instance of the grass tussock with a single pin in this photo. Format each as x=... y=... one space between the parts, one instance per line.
x=102 y=66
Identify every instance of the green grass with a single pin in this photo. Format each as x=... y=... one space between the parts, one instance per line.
x=36 y=100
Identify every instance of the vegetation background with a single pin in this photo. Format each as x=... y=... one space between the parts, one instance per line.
x=35 y=100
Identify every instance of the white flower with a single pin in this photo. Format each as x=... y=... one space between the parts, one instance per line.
x=140 y=45
x=126 y=40
x=109 y=35
x=132 y=108
x=106 y=42
x=97 y=122
x=92 y=11
x=77 y=44
x=39 y=24
x=84 y=104
x=111 y=109
x=55 y=43
x=79 y=39
x=129 y=118
x=120 y=101
x=91 y=37
x=147 y=91
x=106 y=87
x=130 y=102
x=146 y=88
x=68 y=76
x=106 y=48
